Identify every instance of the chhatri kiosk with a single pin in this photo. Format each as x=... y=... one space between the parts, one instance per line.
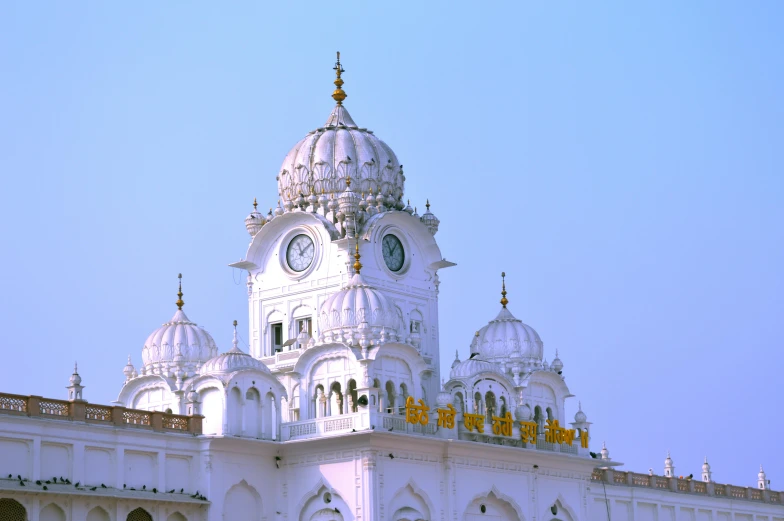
x=338 y=411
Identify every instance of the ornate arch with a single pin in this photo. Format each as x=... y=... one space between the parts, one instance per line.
x=500 y=496
x=563 y=506
x=12 y=510
x=133 y=387
x=415 y=490
x=244 y=486
x=98 y=514
x=309 y=505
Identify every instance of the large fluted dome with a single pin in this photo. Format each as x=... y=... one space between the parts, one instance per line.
x=505 y=338
x=356 y=310
x=326 y=156
x=179 y=336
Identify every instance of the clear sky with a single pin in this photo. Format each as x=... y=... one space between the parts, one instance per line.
x=622 y=162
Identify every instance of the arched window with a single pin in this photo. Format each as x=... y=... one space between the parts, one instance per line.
x=252 y=413
x=390 y=397
x=539 y=419
x=502 y=408
x=550 y=414
x=52 y=512
x=402 y=402
x=478 y=406
x=234 y=411
x=177 y=517
x=98 y=514
x=489 y=406
x=294 y=405
x=351 y=396
x=320 y=400
x=138 y=515
x=270 y=423
x=457 y=402
x=11 y=510
x=336 y=399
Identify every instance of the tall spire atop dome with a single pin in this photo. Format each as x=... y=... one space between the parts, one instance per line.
x=179 y=302
x=357 y=264
x=504 y=301
x=339 y=95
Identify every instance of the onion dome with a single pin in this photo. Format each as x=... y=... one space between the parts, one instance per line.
x=668 y=465
x=348 y=201
x=557 y=365
x=579 y=416
x=254 y=221
x=456 y=361
x=430 y=220
x=339 y=150
x=75 y=378
x=193 y=396
x=606 y=453
x=128 y=370
x=706 y=465
x=470 y=367
x=194 y=343
x=506 y=337
x=761 y=476
x=444 y=397
x=523 y=413
x=408 y=208
x=358 y=310
x=232 y=361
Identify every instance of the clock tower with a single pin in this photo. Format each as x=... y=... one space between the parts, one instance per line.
x=344 y=335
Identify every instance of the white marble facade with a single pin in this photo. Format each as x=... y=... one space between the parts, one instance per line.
x=310 y=424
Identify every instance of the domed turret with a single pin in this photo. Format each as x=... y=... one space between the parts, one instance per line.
x=444 y=397
x=669 y=467
x=523 y=413
x=254 y=221
x=762 y=480
x=472 y=366
x=604 y=452
x=557 y=365
x=430 y=220
x=327 y=156
x=231 y=361
x=579 y=416
x=177 y=337
x=358 y=313
x=505 y=335
x=706 y=471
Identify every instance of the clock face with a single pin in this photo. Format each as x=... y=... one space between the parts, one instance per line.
x=393 y=252
x=300 y=252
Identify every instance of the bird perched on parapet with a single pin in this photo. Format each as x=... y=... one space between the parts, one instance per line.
x=593 y=455
x=391 y=456
x=171 y=491
x=144 y=487
x=76 y=485
x=46 y=488
x=103 y=486
x=690 y=476
x=21 y=483
x=38 y=482
x=93 y=488
x=337 y=511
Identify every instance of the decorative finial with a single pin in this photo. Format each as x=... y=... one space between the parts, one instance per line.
x=348 y=182
x=357 y=264
x=339 y=95
x=235 y=341
x=179 y=302
x=255 y=204
x=427 y=205
x=504 y=301
x=76 y=369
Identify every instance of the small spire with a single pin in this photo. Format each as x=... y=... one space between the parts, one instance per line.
x=76 y=371
x=179 y=302
x=234 y=342
x=255 y=204
x=504 y=300
x=456 y=355
x=357 y=264
x=339 y=95
x=427 y=205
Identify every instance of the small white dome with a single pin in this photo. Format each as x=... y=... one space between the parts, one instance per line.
x=523 y=413
x=358 y=310
x=324 y=158
x=557 y=365
x=254 y=221
x=444 y=398
x=230 y=362
x=472 y=366
x=579 y=416
x=195 y=344
x=505 y=336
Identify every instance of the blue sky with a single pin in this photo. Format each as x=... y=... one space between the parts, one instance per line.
x=622 y=162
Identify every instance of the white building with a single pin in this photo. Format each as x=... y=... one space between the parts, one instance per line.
x=338 y=413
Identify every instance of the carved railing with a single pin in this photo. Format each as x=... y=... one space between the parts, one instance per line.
x=687 y=486
x=37 y=407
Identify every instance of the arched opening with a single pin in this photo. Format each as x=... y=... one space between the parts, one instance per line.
x=242 y=503
x=390 y=397
x=139 y=515
x=327 y=514
x=381 y=400
x=502 y=406
x=320 y=402
x=271 y=422
x=550 y=414
x=492 y=507
x=98 y=514
x=234 y=411
x=252 y=413
x=489 y=406
x=351 y=396
x=176 y=517
x=403 y=396
x=478 y=405
x=539 y=420
x=335 y=399
x=51 y=512
x=11 y=510
x=458 y=403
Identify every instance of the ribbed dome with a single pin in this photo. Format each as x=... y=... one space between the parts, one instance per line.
x=195 y=344
x=506 y=337
x=326 y=156
x=472 y=366
x=231 y=361
x=356 y=310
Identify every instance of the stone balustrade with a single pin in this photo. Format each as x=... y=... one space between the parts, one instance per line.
x=688 y=486
x=117 y=416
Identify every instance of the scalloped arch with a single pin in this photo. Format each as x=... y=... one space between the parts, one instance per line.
x=500 y=496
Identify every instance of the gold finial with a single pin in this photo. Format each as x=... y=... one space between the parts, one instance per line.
x=348 y=182
x=427 y=205
x=504 y=301
x=179 y=302
x=234 y=323
x=339 y=95
x=357 y=264
x=255 y=204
